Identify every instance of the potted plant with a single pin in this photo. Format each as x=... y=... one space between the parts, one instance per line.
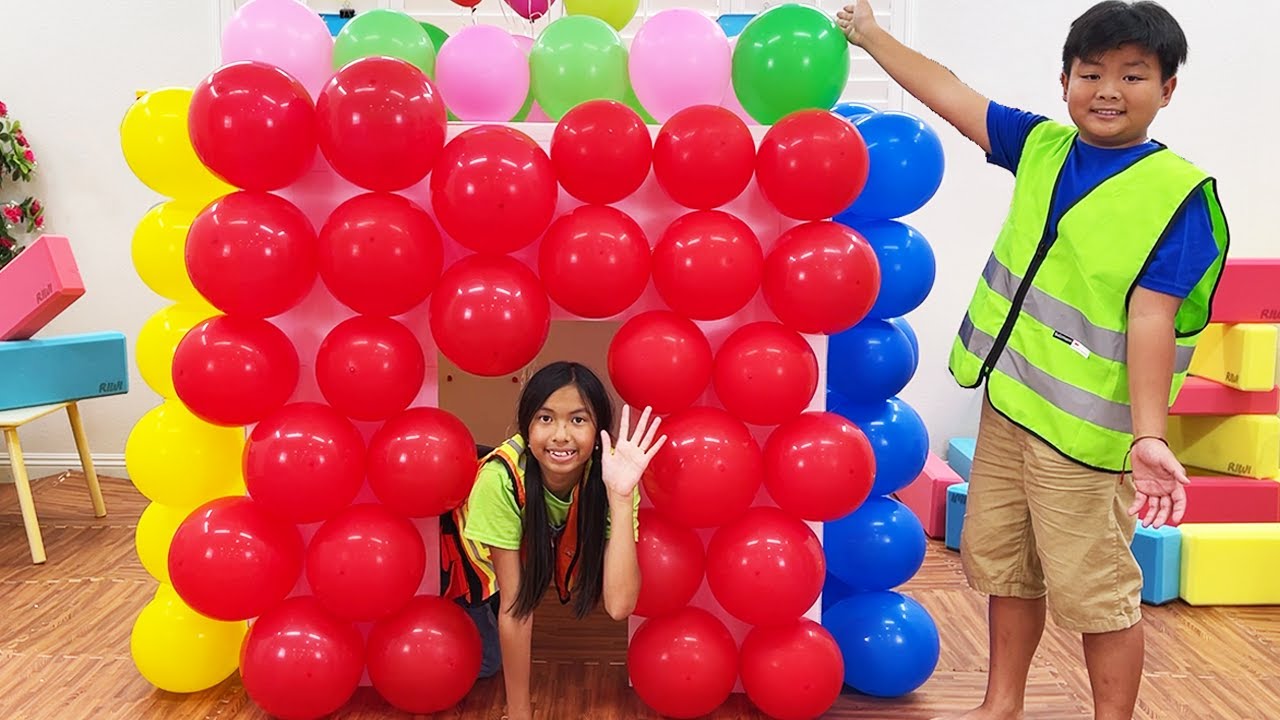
x=19 y=218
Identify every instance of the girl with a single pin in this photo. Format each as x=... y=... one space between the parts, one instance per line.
x=541 y=512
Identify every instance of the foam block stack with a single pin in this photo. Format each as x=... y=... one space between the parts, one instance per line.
x=926 y=496
x=1224 y=428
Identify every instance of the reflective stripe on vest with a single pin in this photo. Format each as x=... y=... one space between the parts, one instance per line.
x=1047 y=327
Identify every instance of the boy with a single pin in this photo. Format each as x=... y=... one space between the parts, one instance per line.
x=1082 y=327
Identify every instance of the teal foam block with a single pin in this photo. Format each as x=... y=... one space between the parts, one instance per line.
x=58 y=369
x=1159 y=554
x=957 y=499
x=960 y=455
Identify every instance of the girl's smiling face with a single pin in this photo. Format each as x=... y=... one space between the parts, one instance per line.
x=562 y=435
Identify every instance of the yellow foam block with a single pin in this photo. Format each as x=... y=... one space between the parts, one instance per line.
x=1241 y=355
x=1230 y=563
x=1244 y=445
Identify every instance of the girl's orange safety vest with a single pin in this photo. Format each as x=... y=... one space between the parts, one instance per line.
x=466 y=569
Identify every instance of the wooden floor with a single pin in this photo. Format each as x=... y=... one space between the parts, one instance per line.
x=64 y=643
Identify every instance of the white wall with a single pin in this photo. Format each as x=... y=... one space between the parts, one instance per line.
x=72 y=68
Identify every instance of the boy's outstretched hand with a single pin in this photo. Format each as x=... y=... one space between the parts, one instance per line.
x=624 y=463
x=1158 y=478
x=857 y=21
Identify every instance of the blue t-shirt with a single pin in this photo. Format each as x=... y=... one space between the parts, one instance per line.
x=1187 y=251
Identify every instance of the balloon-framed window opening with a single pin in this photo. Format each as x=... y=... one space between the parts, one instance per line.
x=318 y=353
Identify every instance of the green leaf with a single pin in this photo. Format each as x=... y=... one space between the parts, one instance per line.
x=5 y=137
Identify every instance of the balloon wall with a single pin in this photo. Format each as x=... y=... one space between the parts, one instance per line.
x=327 y=235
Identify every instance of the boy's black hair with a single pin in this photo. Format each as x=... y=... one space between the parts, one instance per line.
x=1115 y=23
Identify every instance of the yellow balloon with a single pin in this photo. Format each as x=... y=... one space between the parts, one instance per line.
x=177 y=459
x=154 y=535
x=177 y=649
x=159 y=250
x=157 y=147
x=159 y=338
x=615 y=12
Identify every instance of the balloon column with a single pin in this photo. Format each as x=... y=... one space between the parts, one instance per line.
x=327 y=236
x=890 y=642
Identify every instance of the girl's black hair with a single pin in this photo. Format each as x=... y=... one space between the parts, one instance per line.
x=1112 y=24
x=539 y=561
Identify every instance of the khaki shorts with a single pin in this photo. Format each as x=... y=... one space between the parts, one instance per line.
x=1038 y=524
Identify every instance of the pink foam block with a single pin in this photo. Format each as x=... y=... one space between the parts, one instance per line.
x=1221 y=499
x=1247 y=292
x=38 y=285
x=1206 y=397
x=926 y=496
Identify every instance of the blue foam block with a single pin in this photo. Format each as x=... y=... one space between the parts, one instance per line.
x=960 y=455
x=71 y=367
x=1159 y=554
x=957 y=499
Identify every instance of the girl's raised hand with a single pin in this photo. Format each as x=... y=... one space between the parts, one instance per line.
x=624 y=463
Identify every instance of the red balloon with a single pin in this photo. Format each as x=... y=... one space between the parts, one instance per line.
x=793 y=671
x=812 y=164
x=601 y=150
x=232 y=370
x=765 y=373
x=708 y=472
x=231 y=559
x=253 y=125
x=380 y=254
x=660 y=360
x=370 y=368
x=490 y=315
x=683 y=665
x=704 y=157
x=494 y=189
x=304 y=462
x=765 y=553
x=822 y=277
x=594 y=261
x=707 y=265
x=382 y=123
x=298 y=661
x=819 y=466
x=252 y=254
x=365 y=562
x=425 y=658
x=422 y=462
x=672 y=565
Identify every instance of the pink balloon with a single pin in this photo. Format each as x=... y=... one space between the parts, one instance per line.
x=679 y=58
x=284 y=33
x=530 y=9
x=482 y=74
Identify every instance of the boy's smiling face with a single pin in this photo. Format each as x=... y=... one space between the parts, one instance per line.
x=1114 y=98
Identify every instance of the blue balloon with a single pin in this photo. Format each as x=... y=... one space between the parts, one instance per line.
x=907 y=266
x=897 y=436
x=851 y=110
x=879 y=546
x=833 y=591
x=733 y=23
x=906 y=165
x=905 y=327
x=870 y=361
x=889 y=642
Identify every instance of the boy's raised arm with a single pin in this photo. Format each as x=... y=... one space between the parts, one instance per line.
x=930 y=83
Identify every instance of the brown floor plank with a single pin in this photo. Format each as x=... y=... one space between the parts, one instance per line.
x=64 y=643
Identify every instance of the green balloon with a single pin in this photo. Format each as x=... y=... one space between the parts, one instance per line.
x=437 y=35
x=633 y=102
x=790 y=57
x=385 y=32
x=577 y=58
